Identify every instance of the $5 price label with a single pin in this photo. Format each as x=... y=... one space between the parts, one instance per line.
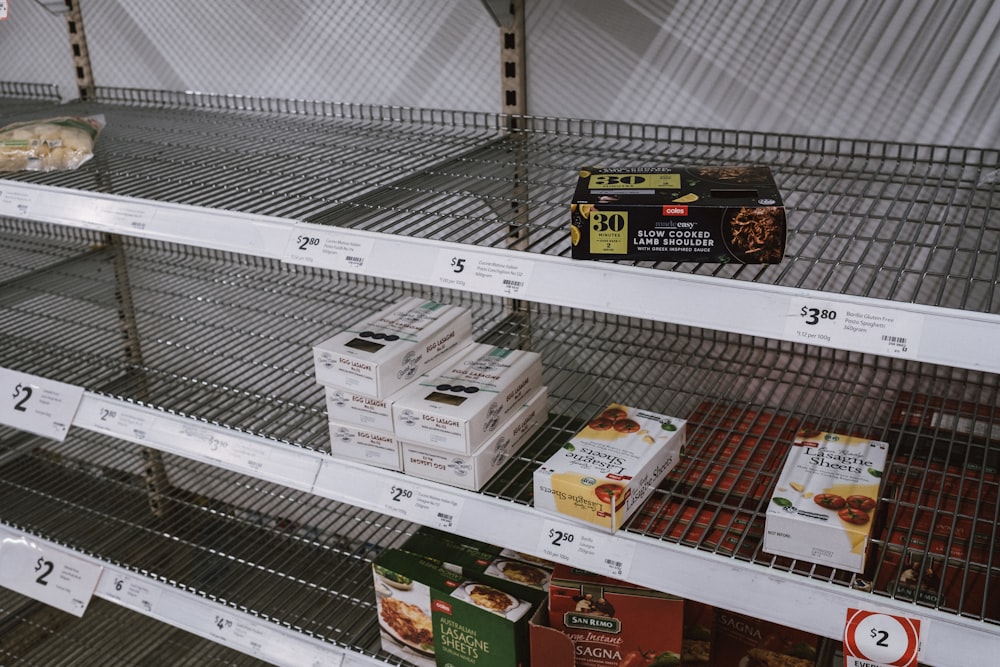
x=873 y=638
x=37 y=405
x=47 y=574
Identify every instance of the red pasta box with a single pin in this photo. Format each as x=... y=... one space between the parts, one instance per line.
x=612 y=623
x=741 y=640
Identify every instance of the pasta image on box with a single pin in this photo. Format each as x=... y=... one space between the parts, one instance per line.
x=459 y=405
x=382 y=353
x=824 y=500
x=606 y=471
x=472 y=471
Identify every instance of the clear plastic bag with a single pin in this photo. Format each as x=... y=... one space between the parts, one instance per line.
x=64 y=142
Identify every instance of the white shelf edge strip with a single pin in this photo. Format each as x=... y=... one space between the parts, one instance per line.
x=714 y=579
x=211 y=620
x=938 y=335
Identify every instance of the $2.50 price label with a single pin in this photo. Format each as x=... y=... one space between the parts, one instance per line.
x=873 y=639
x=601 y=553
x=37 y=405
x=427 y=506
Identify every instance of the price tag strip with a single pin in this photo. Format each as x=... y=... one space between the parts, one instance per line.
x=389 y=493
x=46 y=573
x=481 y=272
x=316 y=245
x=861 y=328
x=565 y=542
x=37 y=405
x=873 y=639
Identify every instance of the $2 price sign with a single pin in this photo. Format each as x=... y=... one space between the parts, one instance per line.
x=37 y=405
x=47 y=574
x=873 y=639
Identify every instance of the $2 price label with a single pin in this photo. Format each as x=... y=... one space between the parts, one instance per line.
x=875 y=639
x=47 y=574
x=38 y=405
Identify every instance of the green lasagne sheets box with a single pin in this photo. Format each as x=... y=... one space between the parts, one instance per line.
x=431 y=615
x=519 y=574
x=684 y=214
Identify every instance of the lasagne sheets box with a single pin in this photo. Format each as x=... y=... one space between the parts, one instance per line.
x=685 y=214
x=473 y=471
x=459 y=405
x=606 y=471
x=745 y=641
x=381 y=353
x=430 y=615
x=823 y=505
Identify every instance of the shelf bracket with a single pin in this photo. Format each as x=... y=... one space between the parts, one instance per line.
x=81 y=55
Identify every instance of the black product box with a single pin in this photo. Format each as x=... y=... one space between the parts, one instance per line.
x=683 y=214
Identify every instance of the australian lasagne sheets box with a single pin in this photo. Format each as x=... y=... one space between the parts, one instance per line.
x=684 y=214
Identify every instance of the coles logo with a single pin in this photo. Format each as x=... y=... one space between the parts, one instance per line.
x=675 y=209
x=441 y=606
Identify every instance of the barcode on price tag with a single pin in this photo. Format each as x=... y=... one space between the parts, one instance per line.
x=587 y=549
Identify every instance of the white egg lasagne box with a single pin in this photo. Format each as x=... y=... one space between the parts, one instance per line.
x=371 y=446
x=381 y=353
x=460 y=405
x=824 y=500
x=472 y=471
x=606 y=471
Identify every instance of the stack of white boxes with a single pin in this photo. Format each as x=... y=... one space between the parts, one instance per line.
x=408 y=390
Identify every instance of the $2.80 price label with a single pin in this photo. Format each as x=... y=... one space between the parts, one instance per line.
x=587 y=549
x=873 y=639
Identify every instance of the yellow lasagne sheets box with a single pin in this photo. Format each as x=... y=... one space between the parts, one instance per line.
x=824 y=501
x=384 y=352
x=459 y=405
x=606 y=471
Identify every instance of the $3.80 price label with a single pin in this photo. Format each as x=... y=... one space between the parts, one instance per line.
x=884 y=331
x=873 y=639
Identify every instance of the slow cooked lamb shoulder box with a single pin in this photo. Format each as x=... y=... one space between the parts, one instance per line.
x=711 y=214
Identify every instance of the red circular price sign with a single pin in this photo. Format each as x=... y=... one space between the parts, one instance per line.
x=873 y=639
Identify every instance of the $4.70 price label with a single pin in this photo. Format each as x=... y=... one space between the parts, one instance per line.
x=46 y=574
x=883 y=331
x=873 y=639
x=37 y=405
x=587 y=549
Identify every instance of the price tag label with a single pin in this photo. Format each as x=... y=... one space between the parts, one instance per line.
x=37 y=405
x=46 y=574
x=422 y=505
x=124 y=216
x=878 y=331
x=3 y=10
x=873 y=639
x=600 y=553
x=113 y=418
x=15 y=202
x=313 y=245
x=130 y=591
x=478 y=272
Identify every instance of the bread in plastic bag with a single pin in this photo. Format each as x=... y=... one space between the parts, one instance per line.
x=64 y=142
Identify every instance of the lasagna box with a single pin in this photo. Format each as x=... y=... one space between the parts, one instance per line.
x=473 y=471
x=364 y=445
x=824 y=501
x=606 y=471
x=612 y=623
x=459 y=405
x=745 y=641
x=684 y=214
x=430 y=615
x=381 y=353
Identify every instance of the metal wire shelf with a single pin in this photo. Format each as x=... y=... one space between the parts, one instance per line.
x=226 y=340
